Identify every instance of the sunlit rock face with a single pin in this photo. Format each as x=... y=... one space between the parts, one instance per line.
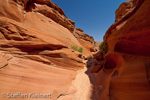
x=85 y=40
x=26 y=31
x=125 y=73
x=35 y=49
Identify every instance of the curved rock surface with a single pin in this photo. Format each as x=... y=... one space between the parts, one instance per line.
x=125 y=73
x=35 y=49
x=29 y=76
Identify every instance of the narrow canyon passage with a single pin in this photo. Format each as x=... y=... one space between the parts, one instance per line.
x=42 y=52
x=83 y=86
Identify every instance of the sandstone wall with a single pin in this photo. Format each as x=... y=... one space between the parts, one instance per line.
x=125 y=72
x=35 y=49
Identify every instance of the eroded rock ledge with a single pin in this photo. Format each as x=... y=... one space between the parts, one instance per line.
x=35 y=49
x=124 y=75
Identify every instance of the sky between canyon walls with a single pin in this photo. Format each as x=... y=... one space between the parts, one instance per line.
x=92 y=16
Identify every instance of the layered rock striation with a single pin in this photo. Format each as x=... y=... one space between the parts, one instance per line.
x=125 y=72
x=85 y=40
x=35 y=49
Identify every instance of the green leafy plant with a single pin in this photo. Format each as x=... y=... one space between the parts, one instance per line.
x=103 y=47
x=80 y=50
x=76 y=49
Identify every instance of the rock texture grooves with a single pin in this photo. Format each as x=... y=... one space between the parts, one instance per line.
x=35 y=49
x=125 y=72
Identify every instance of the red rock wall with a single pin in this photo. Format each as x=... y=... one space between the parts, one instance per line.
x=85 y=40
x=35 y=49
x=125 y=73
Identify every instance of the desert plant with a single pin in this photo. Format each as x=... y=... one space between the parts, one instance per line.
x=76 y=49
x=80 y=50
x=103 y=47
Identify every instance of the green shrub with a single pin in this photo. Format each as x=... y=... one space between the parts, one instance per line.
x=103 y=47
x=80 y=50
x=76 y=49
